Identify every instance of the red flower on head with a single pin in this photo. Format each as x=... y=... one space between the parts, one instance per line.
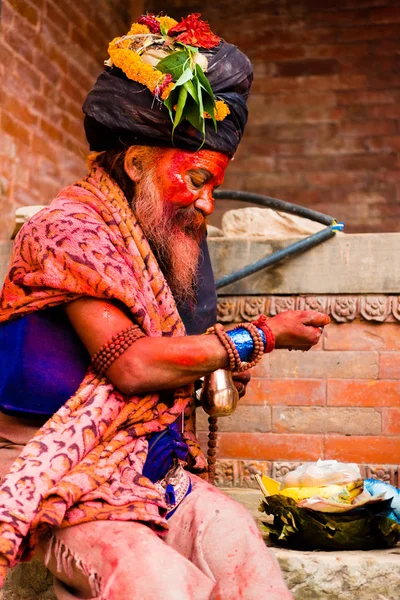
x=151 y=22
x=194 y=32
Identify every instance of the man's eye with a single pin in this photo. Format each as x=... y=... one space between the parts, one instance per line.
x=196 y=182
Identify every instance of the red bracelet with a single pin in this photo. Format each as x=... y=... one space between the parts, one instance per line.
x=262 y=323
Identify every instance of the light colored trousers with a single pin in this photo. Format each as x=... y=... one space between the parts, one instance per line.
x=213 y=550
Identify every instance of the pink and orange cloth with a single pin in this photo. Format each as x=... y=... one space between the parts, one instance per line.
x=86 y=462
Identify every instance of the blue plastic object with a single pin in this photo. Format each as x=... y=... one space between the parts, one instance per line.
x=376 y=487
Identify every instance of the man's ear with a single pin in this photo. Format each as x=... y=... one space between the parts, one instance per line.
x=132 y=164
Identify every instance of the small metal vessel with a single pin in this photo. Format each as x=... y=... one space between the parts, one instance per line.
x=219 y=396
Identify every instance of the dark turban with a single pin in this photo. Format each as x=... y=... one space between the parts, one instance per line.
x=120 y=112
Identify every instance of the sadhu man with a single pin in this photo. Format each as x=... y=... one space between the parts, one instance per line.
x=96 y=391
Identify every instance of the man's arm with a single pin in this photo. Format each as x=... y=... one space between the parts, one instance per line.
x=152 y=364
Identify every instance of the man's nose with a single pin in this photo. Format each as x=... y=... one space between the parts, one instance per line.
x=205 y=203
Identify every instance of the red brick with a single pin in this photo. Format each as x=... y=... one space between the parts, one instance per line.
x=389 y=367
x=391 y=421
x=307 y=67
x=387 y=14
x=15 y=128
x=42 y=147
x=45 y=65
x=378 y=127
x=383 y=144
x=342 y=392
x=369 y=97
x=362 y=449
x=266 y=52
x=244 y=419
x=27 y=76
x=270 y=446
x=339 y=18
x=391 y=111
x=19 y=44
x=362 y=336
x=273 y=85
x=51 y=133
x=352 y=163
x=347 y=421
x=26 y=10
x=74 y=92
x=17 y=109
x=338 y=51
x=57 y=17
x=384 y=47
x=289 y=392
x=336 y=179
x=373 y=32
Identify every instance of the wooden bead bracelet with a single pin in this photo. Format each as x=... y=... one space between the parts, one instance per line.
x=116 y=346
x=235 y=363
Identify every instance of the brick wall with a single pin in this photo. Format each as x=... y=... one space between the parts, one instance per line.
x=51 y=51
x=338 y=401
x=324 y=113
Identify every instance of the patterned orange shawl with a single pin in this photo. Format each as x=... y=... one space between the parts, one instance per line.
x=86 y=462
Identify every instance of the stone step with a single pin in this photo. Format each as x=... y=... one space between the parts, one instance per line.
x=353 y=575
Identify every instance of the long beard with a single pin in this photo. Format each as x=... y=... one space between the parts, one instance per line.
x=174 y=236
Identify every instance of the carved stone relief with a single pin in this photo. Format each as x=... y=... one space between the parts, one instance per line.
x=241 y=473
x=376 y=308
x=342 y=309
x=248 y=470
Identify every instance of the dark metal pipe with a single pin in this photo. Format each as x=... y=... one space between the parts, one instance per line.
x=275 y=204
x=276 y=257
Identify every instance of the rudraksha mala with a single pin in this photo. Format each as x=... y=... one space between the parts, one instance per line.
x=116 y=346
x=212 y=448
x=235 y=363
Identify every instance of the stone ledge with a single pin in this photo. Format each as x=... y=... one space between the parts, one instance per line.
x=345 y=264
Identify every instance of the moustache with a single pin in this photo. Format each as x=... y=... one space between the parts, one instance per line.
x=190 y=219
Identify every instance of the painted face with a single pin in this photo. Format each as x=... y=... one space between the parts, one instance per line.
x=187 y=179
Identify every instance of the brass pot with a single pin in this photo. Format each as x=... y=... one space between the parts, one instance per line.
x=219 y=396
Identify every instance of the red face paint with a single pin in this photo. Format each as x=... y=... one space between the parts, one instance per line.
x=186 y=178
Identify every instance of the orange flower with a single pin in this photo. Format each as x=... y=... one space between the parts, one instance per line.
x=138 y=28
x=221 y=111
x=135 y=68
x=167 y=22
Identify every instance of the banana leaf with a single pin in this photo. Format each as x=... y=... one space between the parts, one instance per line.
x=360 y=529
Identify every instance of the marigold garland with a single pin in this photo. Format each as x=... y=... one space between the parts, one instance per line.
x=167 y=22
x=126 y=55
x=135 y=68
x=138 y=28
x=221 y=110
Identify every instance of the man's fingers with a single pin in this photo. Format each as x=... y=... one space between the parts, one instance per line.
x=317 y=319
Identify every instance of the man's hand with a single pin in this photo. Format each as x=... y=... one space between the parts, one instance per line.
x=298 y=329
x=241 y=380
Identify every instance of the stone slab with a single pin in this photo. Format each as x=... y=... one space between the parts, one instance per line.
x=345 y=264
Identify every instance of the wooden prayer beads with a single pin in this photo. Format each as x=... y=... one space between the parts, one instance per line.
x=116 y=346
x=235 y=363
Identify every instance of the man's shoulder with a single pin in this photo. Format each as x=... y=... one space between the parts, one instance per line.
x=72 y=202
x=73 y=211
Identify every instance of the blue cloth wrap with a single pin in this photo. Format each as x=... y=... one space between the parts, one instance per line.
x=244 y=342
